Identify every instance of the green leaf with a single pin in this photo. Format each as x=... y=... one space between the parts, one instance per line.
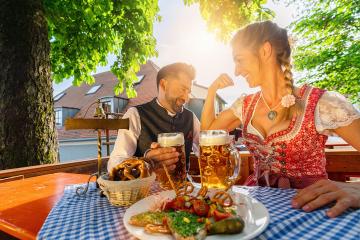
x=83 y=33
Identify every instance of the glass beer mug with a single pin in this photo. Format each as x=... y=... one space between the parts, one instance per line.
x=219 y=161
x=178 y=175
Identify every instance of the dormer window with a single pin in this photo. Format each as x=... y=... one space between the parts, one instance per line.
x=57 y=97
x=140 y=78
x=93 y=89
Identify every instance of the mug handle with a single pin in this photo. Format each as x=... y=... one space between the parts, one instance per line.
x=189 y=178
x=235 y=163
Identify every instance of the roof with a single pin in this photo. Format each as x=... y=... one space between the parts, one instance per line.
x=76 y=97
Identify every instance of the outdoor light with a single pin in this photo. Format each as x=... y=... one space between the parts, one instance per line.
x=99 y=110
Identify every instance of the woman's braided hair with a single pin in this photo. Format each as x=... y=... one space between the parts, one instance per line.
x=255 y=35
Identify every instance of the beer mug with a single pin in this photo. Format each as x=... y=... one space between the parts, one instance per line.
x=219 y=161
x=178 y=175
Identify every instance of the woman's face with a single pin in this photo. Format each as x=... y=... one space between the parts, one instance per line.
x=247 y=64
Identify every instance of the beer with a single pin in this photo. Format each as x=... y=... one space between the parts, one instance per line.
x=178 y=175
x=216 y=161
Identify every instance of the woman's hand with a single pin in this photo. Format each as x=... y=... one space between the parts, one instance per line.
x=221 y=82
x=323 y=192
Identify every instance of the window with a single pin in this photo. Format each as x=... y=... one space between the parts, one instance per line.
x=140 y=78
x=58 y=117
x=57 y=97
x=94 y=89
x=106 y=105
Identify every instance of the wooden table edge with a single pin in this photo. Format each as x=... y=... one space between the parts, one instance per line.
x=15 y=231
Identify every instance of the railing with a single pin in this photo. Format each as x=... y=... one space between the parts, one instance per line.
x=84 y=166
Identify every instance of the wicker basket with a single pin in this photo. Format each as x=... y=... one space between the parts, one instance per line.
x=125 y=193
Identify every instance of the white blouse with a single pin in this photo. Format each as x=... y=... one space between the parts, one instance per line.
x=333 y=110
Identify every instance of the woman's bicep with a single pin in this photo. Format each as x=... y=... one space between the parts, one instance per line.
x=225 y=120
x=350 y=133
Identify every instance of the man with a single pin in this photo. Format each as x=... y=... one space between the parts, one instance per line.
x=165 y=113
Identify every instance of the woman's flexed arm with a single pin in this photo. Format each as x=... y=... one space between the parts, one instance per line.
x=226 y=119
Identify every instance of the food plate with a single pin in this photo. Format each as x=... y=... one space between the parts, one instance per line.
x=254 y=213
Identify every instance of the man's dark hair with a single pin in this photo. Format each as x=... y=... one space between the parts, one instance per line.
x=174 y=70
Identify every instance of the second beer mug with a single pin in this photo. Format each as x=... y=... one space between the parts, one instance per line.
x=219 y=161
x=178 y=175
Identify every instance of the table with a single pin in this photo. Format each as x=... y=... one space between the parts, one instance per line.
x=26 y=203
x=335 y=142
x=92 y=217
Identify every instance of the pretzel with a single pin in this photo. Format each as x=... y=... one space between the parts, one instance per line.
x=221 y=197
x=185 y=189
x=202 y=192
x=126 y=170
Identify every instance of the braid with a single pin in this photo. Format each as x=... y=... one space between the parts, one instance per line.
x=289 y=84
x=288 y=76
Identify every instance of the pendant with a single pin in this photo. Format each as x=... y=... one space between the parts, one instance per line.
x=272 y=115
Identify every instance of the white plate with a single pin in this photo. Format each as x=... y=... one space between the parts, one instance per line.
x=253 y=212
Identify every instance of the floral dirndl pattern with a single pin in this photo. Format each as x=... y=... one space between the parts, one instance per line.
x=294 y=157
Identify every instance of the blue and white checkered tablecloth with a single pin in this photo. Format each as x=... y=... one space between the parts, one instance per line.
x=92 y=217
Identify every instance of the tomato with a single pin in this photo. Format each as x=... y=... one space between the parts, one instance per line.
x=201 y=208
x=200 y=220
x=179 y=203
x=168 y=205
x=220 y=215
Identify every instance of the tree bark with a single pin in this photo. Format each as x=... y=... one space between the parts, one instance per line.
x=27 y=126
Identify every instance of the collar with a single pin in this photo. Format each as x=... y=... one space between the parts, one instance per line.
x=168 y=112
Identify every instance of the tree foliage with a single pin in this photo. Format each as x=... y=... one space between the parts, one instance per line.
x=328 y=45
x=225 y=16
x=83 y=33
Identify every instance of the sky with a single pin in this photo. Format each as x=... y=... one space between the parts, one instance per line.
x=182 y=36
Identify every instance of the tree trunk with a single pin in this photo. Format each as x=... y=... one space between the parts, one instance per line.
x=27 y=126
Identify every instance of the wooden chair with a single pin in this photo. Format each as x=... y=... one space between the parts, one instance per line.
x=98 y=125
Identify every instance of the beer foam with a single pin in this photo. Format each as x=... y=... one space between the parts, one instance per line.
x=214 y=140
x=168 y=141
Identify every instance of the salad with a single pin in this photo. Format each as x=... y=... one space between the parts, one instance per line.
x=189 y=216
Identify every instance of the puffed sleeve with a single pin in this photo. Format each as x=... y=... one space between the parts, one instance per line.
x=237 y=106
x=333 y=110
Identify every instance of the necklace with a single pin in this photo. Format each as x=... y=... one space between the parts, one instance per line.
x=272 y=114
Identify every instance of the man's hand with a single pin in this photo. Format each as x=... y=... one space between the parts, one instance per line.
x=222 y=81
x=163 y=155
x=324 y=192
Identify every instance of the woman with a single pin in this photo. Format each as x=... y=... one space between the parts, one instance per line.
x=284 y=127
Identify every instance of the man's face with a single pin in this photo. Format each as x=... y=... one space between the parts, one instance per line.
x=177 y=90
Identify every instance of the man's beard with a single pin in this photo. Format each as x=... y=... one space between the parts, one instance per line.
x=173 y=103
